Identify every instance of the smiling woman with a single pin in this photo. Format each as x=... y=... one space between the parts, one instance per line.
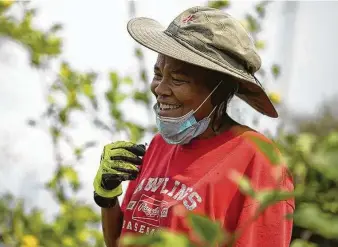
x=186 y=91
x=205 y=57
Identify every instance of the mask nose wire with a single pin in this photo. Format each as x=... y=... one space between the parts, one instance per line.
x=208 y=97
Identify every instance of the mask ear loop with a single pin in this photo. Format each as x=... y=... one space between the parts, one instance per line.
x=208 y=98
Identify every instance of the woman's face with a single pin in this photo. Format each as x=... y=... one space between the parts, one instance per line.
x=180 y=87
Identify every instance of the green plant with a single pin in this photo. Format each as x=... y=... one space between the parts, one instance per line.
x=311 y=156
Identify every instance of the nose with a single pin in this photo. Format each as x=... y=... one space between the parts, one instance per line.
x=162 y=88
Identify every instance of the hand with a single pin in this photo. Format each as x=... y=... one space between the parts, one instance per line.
x=120 y=161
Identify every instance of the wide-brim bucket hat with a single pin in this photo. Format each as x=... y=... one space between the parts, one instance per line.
x=212 y=39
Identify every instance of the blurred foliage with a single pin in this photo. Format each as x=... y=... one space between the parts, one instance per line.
x=69 y=93
x=322 y=123
x=310 y=154
x=41 y=45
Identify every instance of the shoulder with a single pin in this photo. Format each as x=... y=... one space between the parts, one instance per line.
x=263 y=147
x=266 y=168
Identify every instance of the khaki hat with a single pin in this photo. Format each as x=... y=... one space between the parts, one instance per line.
x=212 y=39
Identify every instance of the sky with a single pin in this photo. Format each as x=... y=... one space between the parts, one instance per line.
x=300 y=36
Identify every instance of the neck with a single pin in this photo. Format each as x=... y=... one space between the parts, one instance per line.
x=221 y=125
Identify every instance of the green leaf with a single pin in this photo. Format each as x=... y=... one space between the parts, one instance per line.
x=139 y=240
x=120 y=97
x=219 y=4
x=302 y=243
x=261 y=9
x=70 y=175
x=144 y=76
x=36 y=221
x=55 y=132
x=269 y=150
x=63 y=115
x=243 y=184
x=305 y=142
x=139 y=53
x=141 y=96
x=56 y=27
x=326 y=164
x=114 y=79
x=65 y=70
x=253 y=24
x=259 y=44
x=161 y=238
x=311 y=217
x=115 y=113
x=275 y=70
x=78 y=152
x=332 y=140
x=267 y=198
x=136 y=131
x=210 y=232
x=128 y=80
x=88 y=90
x=50 y=99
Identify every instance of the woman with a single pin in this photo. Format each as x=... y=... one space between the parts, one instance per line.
x=205 y=58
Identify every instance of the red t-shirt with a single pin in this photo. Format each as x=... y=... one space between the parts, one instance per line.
x=196 y=177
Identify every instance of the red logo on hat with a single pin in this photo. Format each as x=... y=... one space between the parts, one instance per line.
x=188 y=19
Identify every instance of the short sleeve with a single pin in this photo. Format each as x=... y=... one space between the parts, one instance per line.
x=270 y=228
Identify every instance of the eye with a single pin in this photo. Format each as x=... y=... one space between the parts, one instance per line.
x=179 y=81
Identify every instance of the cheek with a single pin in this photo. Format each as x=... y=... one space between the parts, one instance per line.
x=204 y=109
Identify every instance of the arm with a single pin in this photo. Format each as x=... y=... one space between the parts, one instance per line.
x=119 y=162
x=269 y=229
x=112 y=218
x=111 y=224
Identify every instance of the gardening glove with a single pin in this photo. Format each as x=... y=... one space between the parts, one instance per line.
x=120 y=161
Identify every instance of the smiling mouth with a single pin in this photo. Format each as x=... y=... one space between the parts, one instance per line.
x=167 y=107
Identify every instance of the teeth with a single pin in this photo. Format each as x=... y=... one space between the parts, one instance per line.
x=168 y=107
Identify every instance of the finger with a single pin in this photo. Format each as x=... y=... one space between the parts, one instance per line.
x=126 y=171
x=119 y=144
x=134 y=160
x=138 y=150
x=121 y=152
x=110 y=181
x=110 y=166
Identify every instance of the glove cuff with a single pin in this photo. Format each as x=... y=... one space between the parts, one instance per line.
x=104 y=202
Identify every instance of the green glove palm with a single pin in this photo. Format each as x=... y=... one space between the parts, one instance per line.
x=119 y=162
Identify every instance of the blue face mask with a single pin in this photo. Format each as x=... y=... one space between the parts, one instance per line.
x=182 y=130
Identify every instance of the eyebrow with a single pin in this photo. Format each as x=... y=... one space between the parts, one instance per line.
x=180 y=71
x=174 y=71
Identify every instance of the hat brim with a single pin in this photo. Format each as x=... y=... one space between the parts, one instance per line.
x=150 y=34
